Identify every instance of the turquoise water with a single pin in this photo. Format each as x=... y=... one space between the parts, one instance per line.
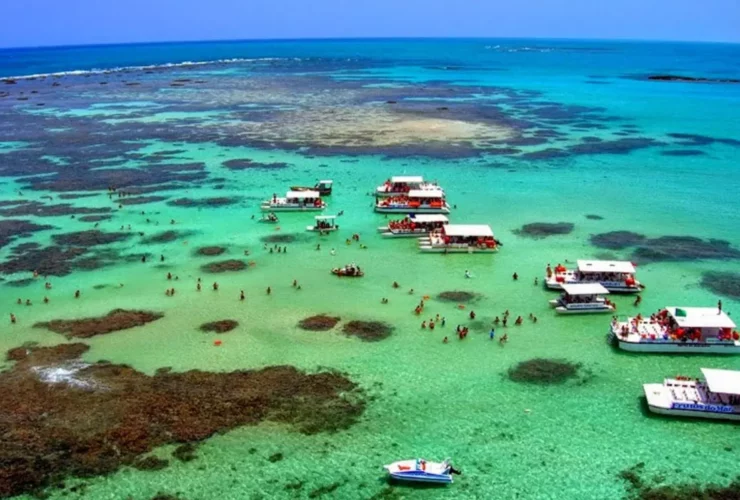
x=322 y=109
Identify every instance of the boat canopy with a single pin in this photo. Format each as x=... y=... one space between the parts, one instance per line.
x=606 y=266
x=474 y=230
x=700 y=317
x=326 y=182
x=302 y=194
x=325 y=217
x=428 y=218
x=425 y=193
x=584 y=289
x=722 y=381
x=407 y=179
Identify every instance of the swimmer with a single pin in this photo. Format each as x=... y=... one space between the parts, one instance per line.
x=534 y=319
x=444 y=320
x=395 y=284
x=269 y=290
x=161 y=258
x=143 y=258
x=318 y=247
x=172 y=221
x=411 y=292
x=241 y=295
x=215 y=286
x=167 y=292
x=431 y=325
x=496 y=321
x=504 y=339
x=12 y=318
x=46 y=300
x=295 y=283
x=518 y=320
x=444 y=340
x=492 y=333
x=515 y=276
x=197 y=287
x=467 y=274
x=246 y=252
x=472 y=314
x=172 y=291
x=77 y=294
x=333 y=252
x=506 y=318
x=28 y=302
x=270 y=250
x=285 y=249
x=638 y=300
x=169 y=276
x=383 y=300
x=536 y=281
x=424 y=324
x=19 y=301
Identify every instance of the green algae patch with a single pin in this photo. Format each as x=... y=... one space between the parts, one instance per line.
x=99 y=417
x=368 y=331
x=544 y=371
x=221 y=326
x=114 y=321
x=318 y=323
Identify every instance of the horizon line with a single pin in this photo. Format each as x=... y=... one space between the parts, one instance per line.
x=361 y=38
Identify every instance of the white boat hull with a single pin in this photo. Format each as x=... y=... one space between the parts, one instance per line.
x=688 y=347
x=412 y=210
x=693 y=414
x=591 y=310
x=387 y=233
x=609 y=285
x=266 y=207
x=315 y=229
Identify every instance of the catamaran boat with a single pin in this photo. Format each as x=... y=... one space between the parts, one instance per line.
x=324 y=224
x=295 y=201
x=718 y=397
x=616 y=276
x=413 y=226
x=688 y=330
x=270 y=218
x=582 y=298
x=323 y=187
x=460 y=238
x=403 y=185
x=416 y=201
x=350 y=271
x=420 y=470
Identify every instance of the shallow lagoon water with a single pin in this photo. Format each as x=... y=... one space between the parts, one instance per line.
x=426 y=398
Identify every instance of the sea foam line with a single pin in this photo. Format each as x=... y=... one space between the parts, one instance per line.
x=98 y=71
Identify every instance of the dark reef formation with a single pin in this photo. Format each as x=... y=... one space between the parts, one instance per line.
x=219 y=201
x=15 y=228
x=640 y=489
x=318 y=323
x=141 y=200
x=691 y=79
x=457 y=296
x=114 y=321
x=594 y=217
x=543 y=371
x=39 y=209
x=224 y=266
x=545 y=229
x=665 y=248
x=163 y=237
x=368 y=331
x=282 y=238
x=246 y=164
x=726 y=284
x=89 y=238
x=210 y=251
x=99 y=417
x=221 y=326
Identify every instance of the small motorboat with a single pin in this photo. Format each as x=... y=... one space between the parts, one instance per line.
x=270 y=218
x=351 y=271
x=323 y=187
x=420 y=470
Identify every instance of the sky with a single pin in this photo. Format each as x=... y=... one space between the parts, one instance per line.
x=28 y=23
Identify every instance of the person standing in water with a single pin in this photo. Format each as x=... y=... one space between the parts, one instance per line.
x=492 y=333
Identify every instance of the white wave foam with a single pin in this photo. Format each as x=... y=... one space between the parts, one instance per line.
x=98 y=71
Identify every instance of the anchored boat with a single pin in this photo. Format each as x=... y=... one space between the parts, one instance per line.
x=582 y=298
x=270 y=218
x=413 y=226
x=685 y=330
x=420 y=470
x=350 y=271
x=324 y=224
x=295 y=201
x=403 y=184
x=416 y=201
x=616 y=276
x=460 y=238
x=323 y=187
x=718 y=397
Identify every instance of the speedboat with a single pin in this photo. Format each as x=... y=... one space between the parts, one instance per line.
x=420 y=470
x=270 y=218
x=323 y=187
x=351 y=271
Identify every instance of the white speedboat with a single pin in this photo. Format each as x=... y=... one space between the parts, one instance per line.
x=324 y=224
x=616 y=276
x=295 y=201
x=416 y=201
x=323 y=187
x=270 y=218
x=420 y=470
x=460 y=238
x=718 y=397
x=582 y=298
x=413 y=226
x=402 y=184
x=685 y=330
